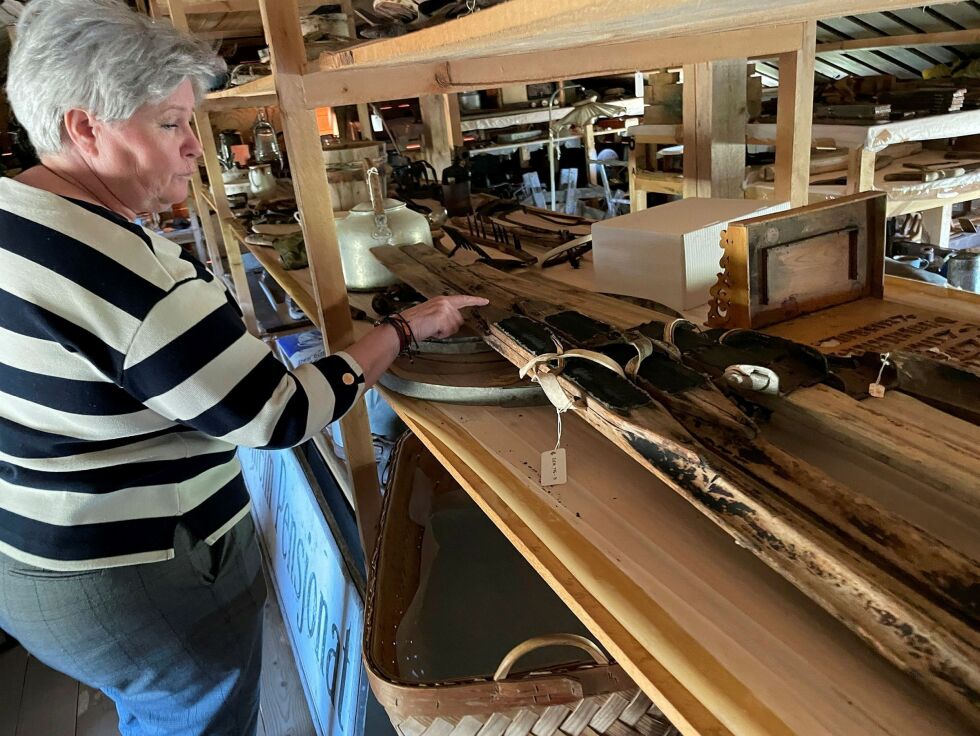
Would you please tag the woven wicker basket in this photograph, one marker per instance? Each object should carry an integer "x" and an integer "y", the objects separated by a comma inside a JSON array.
[{"x": 589, "y": 697}]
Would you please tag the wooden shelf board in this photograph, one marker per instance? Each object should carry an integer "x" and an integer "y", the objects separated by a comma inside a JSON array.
[
  {"x": 259, "y": 93},
  {"x": 659, "y": 181},
  {"x": 386, "y": 70},
  {"x": 905, "y": 206},
  {"x": 499, "y": 147},
  {"x": 296, "y": 283},
  {"x": 964, "y": 305},
  {"x": 534, "y": 116},
  {"x": 520, "y": 26}
]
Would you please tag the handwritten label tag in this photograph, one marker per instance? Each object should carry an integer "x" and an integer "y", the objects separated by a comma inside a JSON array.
[
  {"x": 553, "y": 472},
  {"x": 876, "y": 391}
]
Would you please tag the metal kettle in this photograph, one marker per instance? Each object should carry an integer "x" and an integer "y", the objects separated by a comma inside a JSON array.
[{"x": 376, "y": 223}]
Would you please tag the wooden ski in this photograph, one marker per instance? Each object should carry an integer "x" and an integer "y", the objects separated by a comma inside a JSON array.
[{"x": 901, "y": 623}]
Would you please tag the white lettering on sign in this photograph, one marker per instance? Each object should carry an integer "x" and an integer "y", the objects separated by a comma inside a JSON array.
[{"x": 322, "y": 609}]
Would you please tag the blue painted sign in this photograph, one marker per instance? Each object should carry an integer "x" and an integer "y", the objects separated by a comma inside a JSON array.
[{"x": 321, "y": 607}]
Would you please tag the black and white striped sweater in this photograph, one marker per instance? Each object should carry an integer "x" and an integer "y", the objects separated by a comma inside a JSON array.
[{"x": 127, "y": 379}]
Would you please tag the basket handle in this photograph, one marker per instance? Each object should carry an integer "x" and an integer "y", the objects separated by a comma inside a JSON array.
[{"x": 566, "y": 640}]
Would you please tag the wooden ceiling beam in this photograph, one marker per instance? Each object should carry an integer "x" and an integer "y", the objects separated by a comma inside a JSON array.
[
  {"x": 949, "y": 38},
  {"x": 371, "y": 84}
]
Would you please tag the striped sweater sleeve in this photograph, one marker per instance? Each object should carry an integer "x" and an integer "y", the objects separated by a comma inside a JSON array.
[{"x": 192, "y": 361}]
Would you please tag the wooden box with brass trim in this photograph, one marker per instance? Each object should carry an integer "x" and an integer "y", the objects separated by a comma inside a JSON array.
[{"x": 780, "y": 266}]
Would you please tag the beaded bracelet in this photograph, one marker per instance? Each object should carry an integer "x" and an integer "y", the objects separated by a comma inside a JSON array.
[{"x": 407, "y": 344}]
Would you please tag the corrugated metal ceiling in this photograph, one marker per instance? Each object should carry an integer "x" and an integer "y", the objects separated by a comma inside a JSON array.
[{"x": 904, "y": 63}]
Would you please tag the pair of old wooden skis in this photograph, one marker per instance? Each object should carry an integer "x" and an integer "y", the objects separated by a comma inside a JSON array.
[{"x": 905, "y": 592}]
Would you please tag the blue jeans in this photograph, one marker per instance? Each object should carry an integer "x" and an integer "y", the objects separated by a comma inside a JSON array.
[{"x": 177, "y": 645}]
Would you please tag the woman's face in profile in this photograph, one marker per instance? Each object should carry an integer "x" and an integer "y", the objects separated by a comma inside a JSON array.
[{"x": 150, "y": 158}]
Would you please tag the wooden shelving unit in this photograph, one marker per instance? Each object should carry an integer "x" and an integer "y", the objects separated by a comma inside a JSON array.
[{"x": 622, "y": 566}]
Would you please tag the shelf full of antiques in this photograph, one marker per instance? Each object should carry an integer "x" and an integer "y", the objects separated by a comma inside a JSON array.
[
  {"x": 676, "y": 338},
  {"x": 679, "y": 333}
]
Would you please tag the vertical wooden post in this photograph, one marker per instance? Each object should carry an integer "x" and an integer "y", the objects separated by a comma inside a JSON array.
[
  {"x": 211, "y": 242},
  {"x": 860, "y": 170},
  {"x": 714, "y": 129},
  {"x": 697, "y": 90},
  {"x": 364, "y": 118},
  {"x": 232, "y": 247},
  {"x": 440, "y": 118},
  {"x": 729, "y": 115},
  {"x": 590, "y": 154},
  {"x": 637, "y": 163},
  {"x": 794, "y": 119},
  {"x": 280, "y": 19},
  {"x": 363, "y": 112}
]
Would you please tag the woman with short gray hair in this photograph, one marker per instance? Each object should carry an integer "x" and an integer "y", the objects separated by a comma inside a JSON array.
[{"x": 127, "y": 380}]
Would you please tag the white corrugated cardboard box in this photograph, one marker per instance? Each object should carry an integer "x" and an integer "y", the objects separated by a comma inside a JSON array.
[{"x": 668, "y": 253}]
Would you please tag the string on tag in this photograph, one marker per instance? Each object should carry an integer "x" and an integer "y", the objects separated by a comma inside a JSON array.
[
  {"x": 876, "y": 390},
  {"x": 559, "y": 412},
  {"x": 539, "y": 371}
]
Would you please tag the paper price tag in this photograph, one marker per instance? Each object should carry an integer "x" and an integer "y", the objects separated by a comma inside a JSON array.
[
  {"x": 553, "y": 472},
  {"x": 876, "y": 391}
]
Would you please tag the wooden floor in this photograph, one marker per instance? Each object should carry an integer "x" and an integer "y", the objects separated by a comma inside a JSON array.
[{"x": 37, "y": 701}]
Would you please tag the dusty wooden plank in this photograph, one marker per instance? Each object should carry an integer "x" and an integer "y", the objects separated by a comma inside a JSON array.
[
  {"x": 714, "y": 136},
  {"x": 943, "y": 460},
  {"x": 697, "y": 93},
  {"x": 728, "y": 120},
  {"x": 13, "y": 669},
  {"x": 911, "y": 411},
  {"x": 49, "y": 703}
]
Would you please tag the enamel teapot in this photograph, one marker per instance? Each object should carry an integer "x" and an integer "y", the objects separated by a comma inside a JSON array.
[{"x": 376, "y": 223}]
